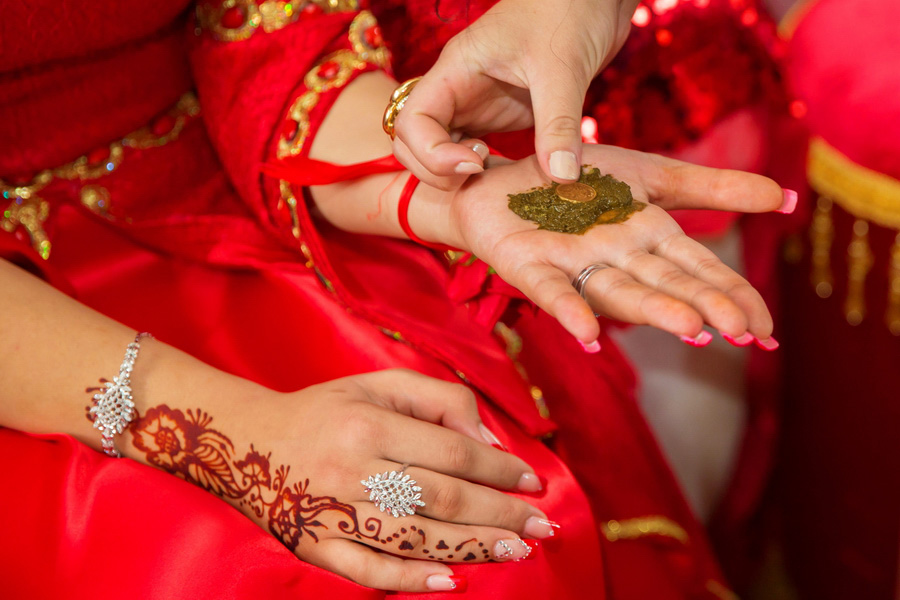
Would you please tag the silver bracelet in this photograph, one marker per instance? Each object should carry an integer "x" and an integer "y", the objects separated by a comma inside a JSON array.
[{"x": 113, "y": 409}]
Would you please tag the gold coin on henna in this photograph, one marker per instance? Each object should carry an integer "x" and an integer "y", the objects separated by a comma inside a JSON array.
[{"x": 576, "y": 207}]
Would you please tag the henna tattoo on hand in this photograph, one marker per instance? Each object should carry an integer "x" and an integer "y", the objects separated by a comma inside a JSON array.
[{"x": 187, "y": 446}]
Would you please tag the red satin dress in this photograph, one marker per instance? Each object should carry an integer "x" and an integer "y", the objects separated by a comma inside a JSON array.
[{"x": 132, "y": 136}]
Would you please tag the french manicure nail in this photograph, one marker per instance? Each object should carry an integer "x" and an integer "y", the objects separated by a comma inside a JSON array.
[
  {"x": 592, "y": 348},
  {"x": 468, "y": 168},
  {"x": 564, "y": 165},
  {"x": 529, "y": 482},
  {"x": 540, "y": 528},
  {"x": 490, "y": 438},
  {"x": 702, "y": 339},
  {"x": 514, "y": 550},
  {"x": 481, "y": 150},
  {"x": 447, "y": 583},
  {"x": 789, "y": 203},
  {"x": 768, "y": 344},
  {"x": 742, "y": 340}
]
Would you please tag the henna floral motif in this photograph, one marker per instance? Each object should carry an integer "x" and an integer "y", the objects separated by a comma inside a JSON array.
[{"x": 185, "y": 445}]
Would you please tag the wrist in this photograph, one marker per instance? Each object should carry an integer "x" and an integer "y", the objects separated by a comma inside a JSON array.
[{"x": 431, "y": 219}]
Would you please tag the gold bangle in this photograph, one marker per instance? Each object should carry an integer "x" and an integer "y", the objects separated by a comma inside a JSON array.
[{"x": 398, "y": 99}]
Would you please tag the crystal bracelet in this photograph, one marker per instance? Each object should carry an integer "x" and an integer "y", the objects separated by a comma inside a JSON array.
[{"x": 113, "y": 409}]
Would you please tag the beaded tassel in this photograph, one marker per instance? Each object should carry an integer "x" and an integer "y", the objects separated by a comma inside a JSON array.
[
  {"x": 821, "y": 236},
  {"x": 892, "y": 315},
  {"x": 859, "y": 263}
]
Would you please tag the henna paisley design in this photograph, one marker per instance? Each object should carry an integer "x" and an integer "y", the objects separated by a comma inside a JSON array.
[{"x": 186, "y": 445}]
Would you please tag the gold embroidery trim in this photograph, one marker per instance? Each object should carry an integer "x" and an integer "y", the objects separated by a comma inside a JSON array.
[
  {"x": 268, "y": 15},
  {"x": 339, "y": 66},
  {"x": 29, "y": 211},
  {"x": 631, "y": 529},
  {"x": 864, "y": 193}
]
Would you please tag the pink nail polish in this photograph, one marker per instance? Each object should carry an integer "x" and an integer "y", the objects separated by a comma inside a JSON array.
[
  {"x": 564, "y": 165},
  {"x": 491, "y": 438},
  {"x": 702, "y": 339},
  {"x": 540, "y": 528},
  {"x": 743, "y": 340},
  {"x": 789, "y": 203},
  {"x": 447, "y": 583},
  {"x": 529, "y": 482},
  {"x": 592, "y": 348},
  {"x": 481, "y": 150},
  {"x": 768, "y": 345}
]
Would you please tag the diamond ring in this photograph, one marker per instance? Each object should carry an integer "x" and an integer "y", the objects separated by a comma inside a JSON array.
[{"x": 394, "y": 492}]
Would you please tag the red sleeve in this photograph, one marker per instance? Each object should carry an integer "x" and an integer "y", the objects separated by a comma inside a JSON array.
[{"x": 267, "y": 74}]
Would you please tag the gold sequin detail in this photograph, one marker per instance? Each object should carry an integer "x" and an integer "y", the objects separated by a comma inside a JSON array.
[
  {"x": 268, "y": 16},
  {"x": 29, "y": 211},
  {"x": 631, "y": 529}
]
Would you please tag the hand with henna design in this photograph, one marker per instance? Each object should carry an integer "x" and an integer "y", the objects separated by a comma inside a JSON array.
[{"x": 299, "y": 477}]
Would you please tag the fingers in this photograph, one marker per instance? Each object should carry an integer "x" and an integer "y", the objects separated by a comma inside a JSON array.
[
  {"x": 700, "y": 262},
  {"x": 456, "y": 501},
  {"x": 423, "y": 128},
  {"x": 438, "y": 449},
  {"x": 673, "y": 184},
  {"x": 717, "y": 308},
  {"x": 451, "y": 405},
  {"x": 557, "y": 99},
  {"x": 383, "y": 571},
  {"x": 423, "y": 538}
]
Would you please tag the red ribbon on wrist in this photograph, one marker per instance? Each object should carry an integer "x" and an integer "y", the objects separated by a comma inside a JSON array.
[{"x": 305, "y": 171}]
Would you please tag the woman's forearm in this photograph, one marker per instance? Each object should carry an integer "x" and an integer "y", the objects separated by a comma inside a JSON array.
[
  {"x": 54, "y": 352},
  {"x": 352, "y": 133}
]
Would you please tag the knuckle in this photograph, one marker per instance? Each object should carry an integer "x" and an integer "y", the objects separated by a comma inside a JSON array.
[
  {"x": 447, "y": 501},
  {"x": 705, "y": 266},
  {"x": 458, "y": 455},
  {"x": 359, "y": 425},
  {"x": 563, "y": 125},
  {"x": 407, "y": 581},
  {"x": 409, "y": 540}
]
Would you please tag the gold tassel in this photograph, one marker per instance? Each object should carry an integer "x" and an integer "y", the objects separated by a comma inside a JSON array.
[
  {"x": 859, "y": 263},
  {"x": 821, "y": 235},
  {"x": 892, "y": 316}
]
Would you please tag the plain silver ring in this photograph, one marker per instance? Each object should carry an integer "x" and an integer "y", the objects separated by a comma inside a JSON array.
[{"x": 580, "y": 281}]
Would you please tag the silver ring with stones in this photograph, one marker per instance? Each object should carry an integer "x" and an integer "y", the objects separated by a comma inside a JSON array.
[{"x": 394, "y": 492}]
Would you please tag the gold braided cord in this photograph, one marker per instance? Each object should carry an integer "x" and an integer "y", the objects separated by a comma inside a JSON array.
[{"x": 864, "y": 193}]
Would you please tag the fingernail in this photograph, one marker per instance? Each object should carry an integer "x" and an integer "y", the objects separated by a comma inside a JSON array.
[
  {"x": 743, "y": 340},
  {"x": 768, "y": 344},
  {"x": 789, "y": 203},
  {"x": 540, "y": 528},
  {"x": 468, "y": 168},
  {"x": 490, "y": 438},
  {"x": 592, "y": 348},
  {"x": 447, "y": 583},
  {"x": 529, "y": 482},
  {"x": 482, "y": 150},
  {"x": 564, "y": 165},
  {"x": 701, "y": 340},
  {"x": 514, "y": 550}
]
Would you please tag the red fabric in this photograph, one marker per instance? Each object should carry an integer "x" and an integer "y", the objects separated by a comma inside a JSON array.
[
  {"x": 199, "y": 252},
  {"x": 837, "y": 496}
]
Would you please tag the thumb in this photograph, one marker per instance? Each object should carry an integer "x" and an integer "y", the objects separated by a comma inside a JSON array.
[{"x": 557, "y": 102}]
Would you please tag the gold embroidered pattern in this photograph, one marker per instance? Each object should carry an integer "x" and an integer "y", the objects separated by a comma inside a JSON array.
[
  {"x": 29, "y": 211},
  {"x": 332, "y": 72},
  {"x": 238, "y": 20},
  {"x": 892, "y": 315},
  {"x": 631, "y": 529},
  {"x": 513, "y": 342}
]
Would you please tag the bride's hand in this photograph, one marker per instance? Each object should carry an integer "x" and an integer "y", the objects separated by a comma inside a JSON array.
[
  {"x": 298, "y": 473},
  {"x": 657, "y": 275}
]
